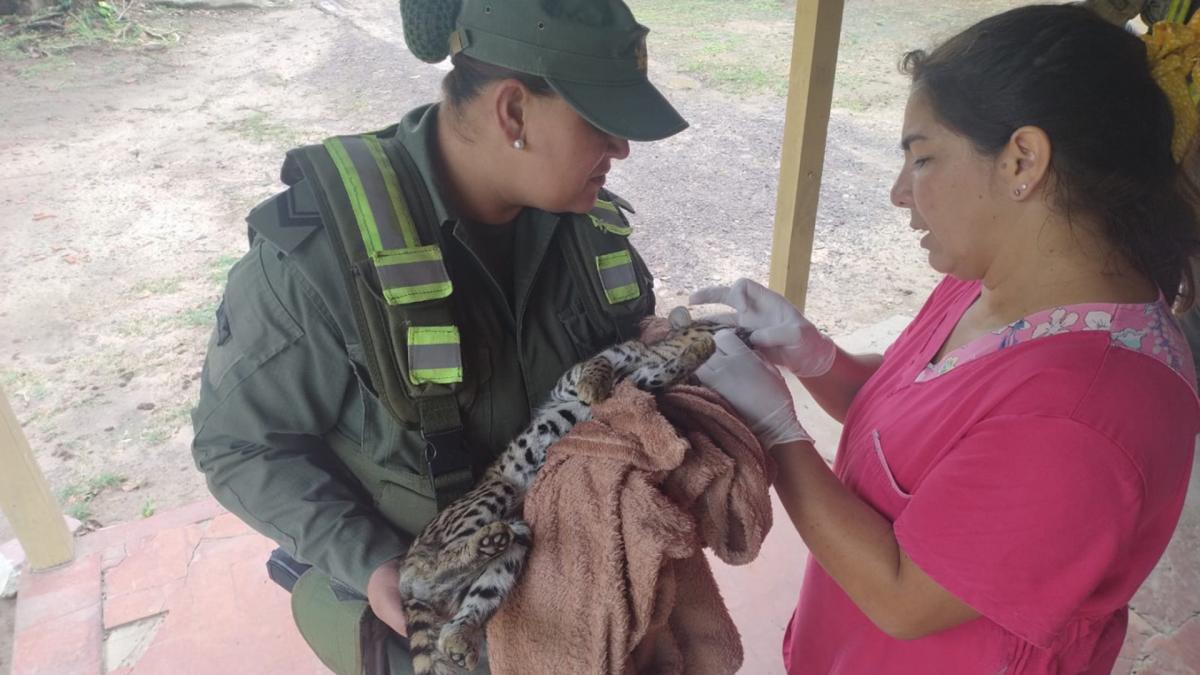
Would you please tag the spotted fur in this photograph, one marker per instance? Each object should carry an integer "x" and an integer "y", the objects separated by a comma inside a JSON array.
[{"x": 468, "y": 558}]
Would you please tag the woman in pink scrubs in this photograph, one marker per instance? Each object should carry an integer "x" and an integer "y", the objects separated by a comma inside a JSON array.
[{"x": 1014, "y": 465}]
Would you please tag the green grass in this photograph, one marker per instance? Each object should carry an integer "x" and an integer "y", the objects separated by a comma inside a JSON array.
[
  {"x": 148, "y": 508},
  {"x": 165, "y": 423},
  {"x": 72, "y": 490},
  {"x": 106, "y": 479},
  {"x": 80, "y": 511},
  {"x": 219, "y": 268},
  {"x": 77, "y": 497},
  {"x": 73, "y": 24},
  {"x": 260, "y": 128},
  {"x": 197, "y": 316},
  {"x": 159, "y": 286},
  {"x": 25, "y": 384},
  {"x": 744, "y": 47}
]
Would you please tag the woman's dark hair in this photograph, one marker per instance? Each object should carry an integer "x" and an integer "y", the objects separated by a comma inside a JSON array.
[
  {"x": 469, "y": 77},
  {"x": 1086, "y": 83}
]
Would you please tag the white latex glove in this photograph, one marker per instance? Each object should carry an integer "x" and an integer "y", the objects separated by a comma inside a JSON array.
[
  {"x": 777, "y": 329},
  {"x": 755, "y": 389}
]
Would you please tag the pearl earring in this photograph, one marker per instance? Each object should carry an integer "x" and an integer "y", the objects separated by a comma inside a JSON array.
[
  {"x": 519, "y": 144},
  {"x": 1017, "y": 192}
]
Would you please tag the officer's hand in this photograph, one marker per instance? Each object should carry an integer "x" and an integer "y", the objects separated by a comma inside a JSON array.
[
  {"x": 383, "y": 595},
  {"x": 755, "y": 389},
  {"x": 778, "y": 330}
]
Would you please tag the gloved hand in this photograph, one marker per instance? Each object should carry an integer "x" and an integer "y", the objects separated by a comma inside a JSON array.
[
  {"x": 777, "y": 329},
  {"x": 755, "y": 389}
]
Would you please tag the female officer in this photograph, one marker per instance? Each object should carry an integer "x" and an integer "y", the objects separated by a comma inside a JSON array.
[
  {"x": 1014, "y": 465},
  {"x": 415, "y": 291}
]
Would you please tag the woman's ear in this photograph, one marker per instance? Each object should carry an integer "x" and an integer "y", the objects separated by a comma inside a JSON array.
[
  {"x": 510, "y": 111},
  {"x": 1026, "y": 161}
]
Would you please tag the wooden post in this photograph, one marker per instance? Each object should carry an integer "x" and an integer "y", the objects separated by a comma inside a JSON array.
[
  {"x": 810, "y": 95},
  {"x": 26, "y": 501}
]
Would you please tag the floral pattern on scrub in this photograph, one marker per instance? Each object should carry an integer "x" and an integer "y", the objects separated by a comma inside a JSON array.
[{"x": 1146, "y": 328}]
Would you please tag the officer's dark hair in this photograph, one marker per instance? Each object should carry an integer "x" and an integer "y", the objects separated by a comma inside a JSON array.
[
  {"x": 1085, "y": 83},
  {"x": 470, "y": 76}
]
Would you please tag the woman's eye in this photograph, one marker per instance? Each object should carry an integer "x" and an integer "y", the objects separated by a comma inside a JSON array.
[{"x": 920, "y": 161}]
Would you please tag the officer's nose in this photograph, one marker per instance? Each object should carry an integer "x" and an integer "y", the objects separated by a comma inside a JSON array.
[{"x": 618, "y": 148}]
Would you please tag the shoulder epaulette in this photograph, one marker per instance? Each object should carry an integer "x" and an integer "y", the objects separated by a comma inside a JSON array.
[{"x": 288, "y": 218}]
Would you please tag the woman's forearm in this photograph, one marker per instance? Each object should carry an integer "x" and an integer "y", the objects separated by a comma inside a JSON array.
[{"x": 835, "y": 390}]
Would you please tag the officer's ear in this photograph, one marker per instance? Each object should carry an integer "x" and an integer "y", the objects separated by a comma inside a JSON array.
[{"x": 511, "y": 101}]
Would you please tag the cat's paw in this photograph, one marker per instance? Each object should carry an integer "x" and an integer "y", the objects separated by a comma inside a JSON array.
[
  {"x": 696, "y": 353},
  {"x": 492, "y": 539},
  {"x": 596, "y": 381},
  {"x": 461, "y": 645}
]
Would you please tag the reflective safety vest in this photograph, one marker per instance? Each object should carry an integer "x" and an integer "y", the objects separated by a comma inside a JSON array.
[{"x": 374, "y": 205}]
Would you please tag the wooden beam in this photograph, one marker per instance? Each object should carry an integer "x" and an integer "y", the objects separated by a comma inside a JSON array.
[
  {"x": 26, "y": 501},
  {"x": 810, "y": 95}
]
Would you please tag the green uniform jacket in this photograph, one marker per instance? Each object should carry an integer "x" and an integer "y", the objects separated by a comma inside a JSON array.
[{"x": 288, "y": 430}]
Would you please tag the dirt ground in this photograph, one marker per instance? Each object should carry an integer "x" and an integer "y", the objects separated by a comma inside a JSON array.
[{"x": 127, "y": 172}]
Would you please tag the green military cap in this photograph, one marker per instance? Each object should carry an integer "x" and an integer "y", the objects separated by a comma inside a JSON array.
[{"x": 591, "y": 52}]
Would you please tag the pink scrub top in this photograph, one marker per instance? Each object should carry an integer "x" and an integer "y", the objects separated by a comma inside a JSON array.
[{"x": 1036, "y": 473}]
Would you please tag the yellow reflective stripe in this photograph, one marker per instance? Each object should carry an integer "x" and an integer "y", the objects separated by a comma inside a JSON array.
[
  {"x": 614, "y": 268},
  {"x": 392, "y": 182},
  {"x": 623, "y": 294},
  {"x": 399, "y": 256},
  {"x": 358, "y": 196},
  {"x": 433, "y": 335},
  {"x": 404, "y": 295},
  {"x": 610, "y": 260},
  {"x": 434, "y": 355},
  {"x": 609, "y": 220},
  {"x": 436, "y": 375},
  {"x": 606, "y": 226}
]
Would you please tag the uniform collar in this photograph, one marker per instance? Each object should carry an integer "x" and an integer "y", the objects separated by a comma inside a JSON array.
[
  {"x": 534, "y": 228},
  {"x": 418, "y": 133}
]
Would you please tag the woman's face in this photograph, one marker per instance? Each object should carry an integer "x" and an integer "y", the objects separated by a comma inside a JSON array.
[
  {"x": 953, "y": 193},
  {"x": 570, "y": 157}
]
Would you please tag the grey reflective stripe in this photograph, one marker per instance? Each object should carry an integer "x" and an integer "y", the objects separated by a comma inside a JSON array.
[
  {"x": 616, "y": 277},
  {"x": 434, "y": 357},
  {"x": 376, "y": 191},
  {"x": 412, "y": 274}
]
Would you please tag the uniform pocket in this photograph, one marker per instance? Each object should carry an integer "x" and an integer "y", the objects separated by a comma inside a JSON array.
[
  {"x": 870, "y": 477},
  {"x": 587, "y": 337},
  {"x": 252, "y": 325}
]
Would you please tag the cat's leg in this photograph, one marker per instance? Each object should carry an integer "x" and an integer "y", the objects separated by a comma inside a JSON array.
[
  {"x": 673, "y": 359},
  {"x": 475, "y": 548},
  {"x": 461, "y": 636},
  {"x": 424, "y": 624}
]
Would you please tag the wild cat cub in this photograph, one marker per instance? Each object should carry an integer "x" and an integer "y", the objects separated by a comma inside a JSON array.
[{"x": 466, "y": 560}]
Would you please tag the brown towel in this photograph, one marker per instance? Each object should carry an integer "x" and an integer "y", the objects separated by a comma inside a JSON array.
[{"x": 617, "y": 581}]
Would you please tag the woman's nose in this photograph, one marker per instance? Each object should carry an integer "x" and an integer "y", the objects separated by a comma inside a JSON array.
[
  {"x": 902, "y": 191},
  {"x": 618, "y": 147}
]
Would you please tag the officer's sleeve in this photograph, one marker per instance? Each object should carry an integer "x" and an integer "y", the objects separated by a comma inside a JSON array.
[{"x": 273, "y": 383}]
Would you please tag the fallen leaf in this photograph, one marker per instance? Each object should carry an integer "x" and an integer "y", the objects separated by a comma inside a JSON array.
[{"x": 43, "y": 216}]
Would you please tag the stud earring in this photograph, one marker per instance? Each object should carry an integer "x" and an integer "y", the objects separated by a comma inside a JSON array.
[
  {"x": 1017, "y": 192},
  {"x": 519, "y": 144}
]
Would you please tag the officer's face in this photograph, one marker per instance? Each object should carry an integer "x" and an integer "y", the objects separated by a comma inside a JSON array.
[
  {"x": 570, "y": 157},
  {"x": 951, "y": 191}
]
